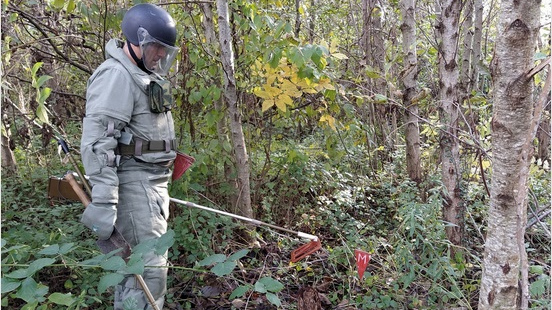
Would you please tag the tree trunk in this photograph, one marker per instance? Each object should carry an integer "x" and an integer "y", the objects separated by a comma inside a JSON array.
[
  {"x": 234, "y": 114},
  {"x": 409, "y": 79},
  {"x": 8, "y": 159},
  {"x": 297, "y": 18},
  {"x": 374, "y": 58},
  {"x": 467, "y": 40},
  {"x": 513, "y": 130},
  {"x": 453, "y": 209},
  {"x": 212, "y": 43},
  {"x": 476, "y": 43}
]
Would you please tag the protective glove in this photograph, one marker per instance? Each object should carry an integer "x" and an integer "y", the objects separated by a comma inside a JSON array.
[{"x": 100, "y": 218}]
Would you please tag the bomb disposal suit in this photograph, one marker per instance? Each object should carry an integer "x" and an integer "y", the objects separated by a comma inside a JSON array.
[{"x": 128, "y": 145}]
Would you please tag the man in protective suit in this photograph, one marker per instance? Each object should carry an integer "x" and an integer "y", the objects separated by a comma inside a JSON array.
[{"x": 128, "y": 143}]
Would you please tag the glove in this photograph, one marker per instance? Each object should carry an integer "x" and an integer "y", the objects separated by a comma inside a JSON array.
[{"x": 100, "y": 218}]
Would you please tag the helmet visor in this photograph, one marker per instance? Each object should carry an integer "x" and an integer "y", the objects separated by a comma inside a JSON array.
[{"x": 156, "y": 55}]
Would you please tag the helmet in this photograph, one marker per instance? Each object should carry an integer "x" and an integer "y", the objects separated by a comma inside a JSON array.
[
  {"x": 154, "y": 19},
  {"x": 153, "y": 29}
]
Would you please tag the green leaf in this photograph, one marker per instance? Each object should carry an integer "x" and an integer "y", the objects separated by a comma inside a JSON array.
[
  {"x": 8, "y": 286},
  {"x": 223, "y": 269},
  {"x": 71, "y": 6},
  {"x": 144, "y": 246},
  {"x": 66, "y": 248},
  {"x": 113, "y": 263},
  {"x": 110, "y": 279},
  {"x": 164, "y": 242},
  {"x": 40, "y": 263},
  {"x": 536, "y": 269},
  {"x": 30, "y": 306},
  {"x": 270, "y": 284},
  {"x": 44, "y": 94},
  {"x": 41, "y": 80},
  {"x": 31, "y": 291},
  {"x": 19, "y": 273},
  {"x": 213, "y": 259},
  {"x": 58, "y": 4},
  {"x": 135, "y": 265},
  {"x": 35, "y": 68},
  {"x": 538, "y": 287},
  {"x": 239, "y": 291},
  {"x": 41, "y": 113},
  {"x": 50, "y": 250},
  {"x": 61, "y": 299},
  {"x": 238, "y": 255},
  {"x": 260, "y": 287},
  {"x": 273, "y": 299}
]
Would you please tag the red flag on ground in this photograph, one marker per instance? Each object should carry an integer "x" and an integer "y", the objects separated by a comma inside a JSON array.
[{"x": 362, "y": 260}]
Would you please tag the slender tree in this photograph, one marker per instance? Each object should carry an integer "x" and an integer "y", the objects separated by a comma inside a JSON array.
[
  {"x": 504, "y": 278},
  {"x": 448, "y": 32},
  {"x": 234, "y": 113},
  {"x": 409, "y": 80},
  {"x": 222, "y": 133}
]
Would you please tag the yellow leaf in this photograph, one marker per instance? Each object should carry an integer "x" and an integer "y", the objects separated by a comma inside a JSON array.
[
  {"x": 330, "y": 120},
  {"x": 309, "y": 90},
  {"x": 290, "y": 89},
  {"x": 340, "y": 56},
  {"x": 259, "y": 92},
  {"x": 280, "y": 104},
  {"x": 333, "y": 45},
  {"x": 325, "y": 83},
  {"x": 271, "y": 90},
  {"x": 486, "y": 164},
  {"x": 285, "y": 99},
  {"x": 270, "y": 79},
  {"x": 267, "y": 104},
  {"x": 325, "y": 44}
]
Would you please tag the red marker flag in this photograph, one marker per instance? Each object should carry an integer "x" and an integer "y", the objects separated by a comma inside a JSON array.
[{"x": 362, "y": 260}]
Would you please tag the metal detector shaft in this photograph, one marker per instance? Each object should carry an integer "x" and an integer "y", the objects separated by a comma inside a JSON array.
[
  {"x": 246, "y": 219},
  {"x": 65, "y": 149}
]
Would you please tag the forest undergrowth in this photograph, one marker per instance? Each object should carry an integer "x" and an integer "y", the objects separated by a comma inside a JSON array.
[{"x": 50, "y": 260}]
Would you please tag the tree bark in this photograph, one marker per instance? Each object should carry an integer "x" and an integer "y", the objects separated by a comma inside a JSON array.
[
  {"x": 504, "y": 282},
  {"x": 409, "y": 79},
  {"x": 234, "y": 114},
  {"x": 8, "y": 159},
  {"x": 476, "y": 43},
  {"x": 453, "y": 209},
  {"x": 222, "y": 134}
]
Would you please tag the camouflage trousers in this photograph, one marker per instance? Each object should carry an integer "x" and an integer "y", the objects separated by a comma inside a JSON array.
[{"x": 142, "y": 214}]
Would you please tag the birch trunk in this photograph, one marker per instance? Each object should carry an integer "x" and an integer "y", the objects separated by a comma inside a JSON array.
[
  {"x": 504, "y": 278},
  {"x": 453, "y": 212},
  {"x": 409, "y": 78},
  {"x": 234, "y": 114},
  {"x": 210, "y": 48}
]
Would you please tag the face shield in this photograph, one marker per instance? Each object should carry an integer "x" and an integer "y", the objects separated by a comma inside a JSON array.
[{"x": 156, "y": 55}]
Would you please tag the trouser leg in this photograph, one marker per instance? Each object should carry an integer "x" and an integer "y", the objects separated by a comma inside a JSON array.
[{"x": 142, "y": 213}]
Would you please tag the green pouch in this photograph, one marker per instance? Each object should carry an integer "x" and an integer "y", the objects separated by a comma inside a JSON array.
[{"x": 160, "y": 96}]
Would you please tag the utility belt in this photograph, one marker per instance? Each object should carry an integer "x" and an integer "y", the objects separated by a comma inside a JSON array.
[{"x": 139, "y": 147}]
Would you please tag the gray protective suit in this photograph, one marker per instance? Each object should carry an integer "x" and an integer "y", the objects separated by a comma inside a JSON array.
[{"x": 129, "y": 191}]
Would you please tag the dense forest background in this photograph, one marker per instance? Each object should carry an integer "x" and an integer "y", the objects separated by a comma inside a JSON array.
[{"x": 374, "y": 125}]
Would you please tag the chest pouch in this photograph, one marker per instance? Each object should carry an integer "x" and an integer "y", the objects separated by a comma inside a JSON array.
[{"x": 160, "y": 96}]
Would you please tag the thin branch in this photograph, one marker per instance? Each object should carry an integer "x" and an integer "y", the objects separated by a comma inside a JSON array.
[{"x": 50, "y": 40}]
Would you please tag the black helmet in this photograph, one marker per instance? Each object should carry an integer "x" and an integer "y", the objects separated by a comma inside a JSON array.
[{"x": 158, "y": 23}]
